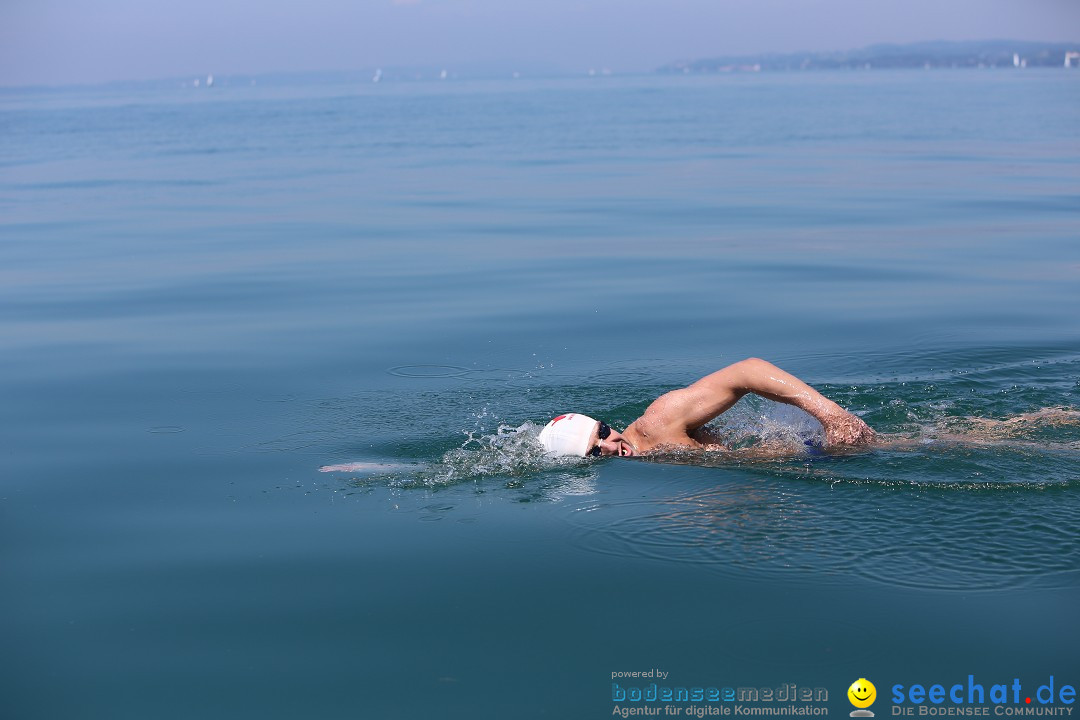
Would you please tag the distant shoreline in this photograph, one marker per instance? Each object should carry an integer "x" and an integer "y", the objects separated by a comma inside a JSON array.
[
  {"x": 924, "y": 55},
  {"x": 938, "y": 55}
]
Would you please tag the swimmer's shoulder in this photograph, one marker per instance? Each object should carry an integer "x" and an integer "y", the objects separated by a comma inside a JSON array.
[{"x": 652, "y": 431}]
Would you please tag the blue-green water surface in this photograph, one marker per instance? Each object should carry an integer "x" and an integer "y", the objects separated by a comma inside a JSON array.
[{"x": 207, "y": 295}]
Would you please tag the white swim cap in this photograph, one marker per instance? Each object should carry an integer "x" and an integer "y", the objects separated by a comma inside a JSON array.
[{"x": 568, "y": 434}]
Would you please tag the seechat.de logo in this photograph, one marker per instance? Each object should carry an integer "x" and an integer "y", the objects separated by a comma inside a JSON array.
[{"x": 862, "y": 694}]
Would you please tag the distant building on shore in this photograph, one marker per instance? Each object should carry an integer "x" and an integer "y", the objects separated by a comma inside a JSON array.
[{"x": 926, "y": 55}]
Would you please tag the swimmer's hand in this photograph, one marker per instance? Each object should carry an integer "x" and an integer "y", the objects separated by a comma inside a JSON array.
[{"x": 843, "y": 428}]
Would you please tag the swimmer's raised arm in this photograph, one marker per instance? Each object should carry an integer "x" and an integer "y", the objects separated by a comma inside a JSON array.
[
  {"x": 680, "y": 412},
  {"x": 673, "y": 418}
]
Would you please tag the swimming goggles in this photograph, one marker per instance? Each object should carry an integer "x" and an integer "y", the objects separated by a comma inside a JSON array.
[{"x": 602, "y": 434}]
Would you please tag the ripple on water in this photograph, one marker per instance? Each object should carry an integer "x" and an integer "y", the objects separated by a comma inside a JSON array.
[
  {"x": 428, "y": 371},
  {"x": 940, "y": 538}
]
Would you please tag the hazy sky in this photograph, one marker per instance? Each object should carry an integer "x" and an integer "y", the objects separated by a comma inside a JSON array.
[{"x": 77, "y": 41}]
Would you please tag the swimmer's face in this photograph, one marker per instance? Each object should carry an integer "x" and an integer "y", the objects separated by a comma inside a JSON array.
[{"x": 607, "y": 441}]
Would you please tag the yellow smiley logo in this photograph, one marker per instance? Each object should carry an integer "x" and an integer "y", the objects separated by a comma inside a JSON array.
[{"x": 862, "y": 693}]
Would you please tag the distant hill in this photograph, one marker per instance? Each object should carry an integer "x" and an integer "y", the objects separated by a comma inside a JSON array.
[{"x": 935, "y": 54}]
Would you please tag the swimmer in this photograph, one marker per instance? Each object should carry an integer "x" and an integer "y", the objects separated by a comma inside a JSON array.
[{"x": 676, "y": 419}]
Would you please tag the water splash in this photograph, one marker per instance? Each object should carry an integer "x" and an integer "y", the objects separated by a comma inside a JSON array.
[
  {"x": 510, "y": 453},
  {"x": 763, "y": 427}
]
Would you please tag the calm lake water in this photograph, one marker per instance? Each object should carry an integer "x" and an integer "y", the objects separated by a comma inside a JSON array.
[{"x": 206, "y": 295}]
